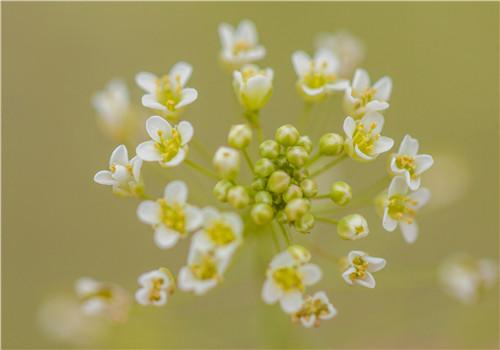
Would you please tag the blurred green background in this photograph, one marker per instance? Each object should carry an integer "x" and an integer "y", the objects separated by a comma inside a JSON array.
[{"x": 58, "y": 225}]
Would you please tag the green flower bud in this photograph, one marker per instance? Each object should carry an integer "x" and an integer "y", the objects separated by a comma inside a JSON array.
[
  {"x": 287, "y": 135},
  {"x": 262, "y": 213},
  {"x": 278, "y": 182},
  {"x": 264, "y": 167},
  {"x": 238, "y": 197},
  {"x": 221, "y": 188},
  {"x": 292, "y": 192},
  {"x": 331, "y": 144},
  {"x": 296, "y": 208},
  {"x": 227, "y": 162},
  {"x": 239, "y": 136},
  {"x": 340, "y": 193},
  {"x": 281, "y": 162},
  {"x": 281, "y": 217},
  {"x": 269, "y": 149},
  {"x": 263, "y": 197},
  {"x": 297, "y": 156},
  {"x": 259, "y": 184},
  {"x": 299, "y": 253},
  {"x": 305, "y": 223},
  {"x": 352, "y": 227},
  {"x": 305, "y": 141},
  {"x": 301, "y": 174},
  {"x": 309, "y": 187}
]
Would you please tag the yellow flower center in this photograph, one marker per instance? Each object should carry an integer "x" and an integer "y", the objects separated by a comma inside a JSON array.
[
  {"x": 406, "y": 162},
  {"x": 312, "y": 307},
  {"x": 288, "y": 278},
  {"x": 241, "y": 46},
  {"x": 166, "y": 94},
  {"x": 173, "y": 216},
  {"x": 364, "y": 97},
  {"x": 154, "y": 293},
  {"x": 220, "y": 232},
  {"x": 365, "y": 140},
  {"x": 205, "y": 269},
  {"x": 359, "y": 229},
  {"x": 400, "y": 208},
  {"x": 104, "y": 293},
  {"x": 316, "y": 78},
  {"x": 169, "y": 148},
  {"x": 360, "y": 265}
]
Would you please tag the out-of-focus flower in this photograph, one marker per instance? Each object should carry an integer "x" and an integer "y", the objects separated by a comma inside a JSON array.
[
  {"x": 401, "y": 206},
  {"x": 227, "y": 162},
  {"x": 317, "y": 76},
  {"x": 253, "y": 86},
  {"x": 408, "y": 163},
  {"x": 287, "y": 279},
  {"x": 155, "y": 285},
  {"x": 361, "y": 98},
  {"x": 240, "y": 45},
  {"x": 102, "y": 298},
  {"x": 221, "y": 232},
  {"x": 363, "y": 140},
  {"x": 352, "y": 227},
  {"x": 123, "y": 175},
  {"x": 169, "y": 145},
  {"x": 465, "y": 278},
  {"x": 315, "y": 309},
  {"x": 348, "y": 48},
  {"x": 171, "y": 217},
  {"x": 360, "y": 267},
  {"x": 168, "y": 93}
]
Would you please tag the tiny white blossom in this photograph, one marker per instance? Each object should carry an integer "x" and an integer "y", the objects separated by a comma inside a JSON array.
[
  {"x": 169, "y": 144},
  {"x": 155, "y": 287},
  {"x": 352, "y": 227},
  {"x": 361, "y": 265},
  {"x": 168, "y": 93},
  {"x": 363, "y": 140},
  {"x": 171, "y": 217},
  {"x": 318, "y": 75},
  {"x": 314, "y": 309},
  {"x": 408, "y": 163},
  {"x": 123, "y": 175},
  {"x": 253, "y": 86},
  {"x": 240, "y": 45},
  {"x": 287, "y": 278},
  {"x": 401, "y": 206},
  {"x": 227, "y": 162},
  {"x": 221, "y": 232}
]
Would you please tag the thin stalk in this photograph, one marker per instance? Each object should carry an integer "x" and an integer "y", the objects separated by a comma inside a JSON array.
[
  {"x": 328, "y": 165},
  {"x": 327, "y": 220},
  {"x": 248, "y": 159},
  {"x": 322, "y": 196},
  {"x": 201, "y": 169},
  {"x": 314, "y": 159},
  {"x": 275, "y": 238},
  {"x": 304, "y": 117},
  {"x": 284, "y": 231}
]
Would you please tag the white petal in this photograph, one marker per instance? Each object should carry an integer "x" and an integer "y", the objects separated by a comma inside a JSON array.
[
  {"x": 301, "y": 63},
  {"x": 398, "y": 185},
  {"x": 119, "y": 156},
  {"x": 383, "y": 144},
  {"x": 422, "y": 163},
  {"x": 353, "y": 254},
  {"x": 85, "y": 286},
  {"x": 291, "y": 302},
  {"x": 339, "y": 85},
  {"x": 226, "y": 35},
  {"x": 93, "y": 306},
  {"x": 104, "y": 177},
  {"x": 185, "y": 279},
  {"x": 201, "y": 287},
  {"x": 136, "y": 168},
  {"x": 409, "y": 231},
  {"x": 421, "y": 196},
  {"x": 308, "y": 322},
  {"x": 254, "y": 55},
  {"x": 368, "y": 281},
  {"x": 271, "y": 293},
  {"x": 209, "y": 214},
  {"x": 151, "y": 102},
  {"x": 246, "y": 32},
  {"x": 346, "y": 275},
  {"x": 156, "y": 125},
  {"x": 121, "y": 174},
  {"x": 194, "y": 218},
  {"x": 361, "y": 80},
  {"x": 146, "y": 81},
  {"x": 363, "y": 156},
  {"x": 389, "y": 223},
  {"x": 176, "y": 192},
  {"x": 181, "y": 72},
  {"x": 282, "y": 259},
  {"x": 413, "y": 182},
  {"x": 373, "y": 118},
  {"x": 149, "y": 212},
  {"x": 349, "y": 127},
  {"x": 375, "y": 264},
  {"x": 313, "y": 92},
  {"x": 188, "y": 95},
  {"x": 409, "y": 146},
  {"x": 326, "y": 61},
  {"x": 383, "y": 89},
  {"x": 375, "y": 105},
  {"x": 142, "y": 296},
  {"x": 178, "y": 159},
  {"x": 165, "y": 238},
  {"x": 148, "y": 152},
  {"x": 186, "y": 130},
  {"x": 234, "y": 220},
  {"x": 311, "y": 274},
  {"x": 201, "y": 242}
]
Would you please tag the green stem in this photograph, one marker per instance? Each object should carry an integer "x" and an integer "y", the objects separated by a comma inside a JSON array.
[
  {"x": 304, "y": 117},
  {"x": 201, "y": 169},
  {"x": 328, "y": 165},
  {"x": 248, "y": 159},
  {"x": 314, "y": 159},
  {"x": 275, "y": 239},
  {"x": 327, "y": 220},
  {"x": 322, "y": 196},
  {"x": 284, "y": 231}
]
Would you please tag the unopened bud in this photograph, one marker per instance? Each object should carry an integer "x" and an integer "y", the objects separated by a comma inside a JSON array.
[
  {"x": 305, "y": 223},
  {"x": 331, "y": 144},
  {"x": 297, "y": 156},
  {"x": 227, "y": 162},
  {"x": 263, "y": 197},
  {"x": 340, "y": 193},
  {"x": 305, "y": 141},
  {"x": 240, "y": 136},
  {"x": 309, "y": 187},
  {"x": 264, "y": 167},
  {"x": 278, "y": 182},
  {"x": 296, "y": 208},
  {"x": 299, "y": 253},
  {"x": 262, "y": 213},
  {"x": 352, "y": 227},
  {"x": 221, "y": 188},
  {"x": 238, "y": 197},
  {"x": 287, "y": 135},
  {"x": 269, "y": 149}
]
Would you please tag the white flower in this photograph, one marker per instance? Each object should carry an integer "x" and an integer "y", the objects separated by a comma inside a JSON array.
[
  {"x": 401, "y": 207},
  {"x": 253, "y": 86},
  {"x": 363, "y": 140},
  {"x": 123, "y": 175},
  {"x": 361, "y": 265},
  {"x": 287, "y": 278},
  {"x": 203, "y": 271},
  {"x": 465, "y": 278},
  {"x": 167, "y": 93},
  {"x": 315, "y": 309},
  {"x": 221, "y": 232},
  {"x": 155, "y": 285},
  {"x": 169, "y": 144},
  {"x": 348, "y": 48},
  {"x": 227, "y": 162},
  {"x": 317, "y": 76},
  {"x": 171, "y": 217},
  {"x": 352, "y": 227},
  {"x": 102, "y": 298},
  {"x": 240, "y": 45},
  {"x": 408, "y": 163},
  {"x": 361, "y": 98}
]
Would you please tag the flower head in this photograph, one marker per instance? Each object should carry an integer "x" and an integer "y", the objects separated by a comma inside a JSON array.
[
  {"x": 361, "y": 265},
  {"x": 240, "y": 45},
  {"x": 253, "y": 86},
  {"x": 401, "y": 207},
  {"x": 287, "y": 279},
  {"x": 155, "y": 287},
  {"x": 123, "y": 175},
  {"x": 169, "y": 144},
  {"x": 167, "y": 93},
  {"x": 352, "y": 227},
  {"x": 317, "y": 76},
  {"x": 361, "y": 98},
  {"x": 410, "y": 164},
  {"x": 363, "y": 140},
  {"x": 314, "y": 309}
]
